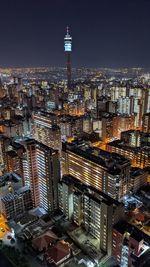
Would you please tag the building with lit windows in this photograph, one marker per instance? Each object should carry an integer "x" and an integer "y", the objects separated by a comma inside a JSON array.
[
  {"x": 4, "y": 143},
  {"x": 66, "y": 129},
  {"x": 107, "y": 126},
  {"x": 113, "y": 124},
  {"x": 41, "y": 172},
  {"x": 14, "y": 159},
  {"x": 136, "y": 138},
  {"x": 93, "y": 210},
  {"x": 14, "y": 162},
  {"x": 135, "y": 146},
  {"x": 65, "y": 199},
  {"x": 87, "y": 125},
  {"x": 117, "y": 91},
  {"x": 146, "y": 123},
  {"x": 48, "y": 175},
  {"x": 45, "y": 130},
  {"x": 107, "y": 172},
  {"x": 123, "y": 104},
  {"x": 17, "y": 203},
  {"x": 132, "y": 138},
  {"x": 130, "y": 245},
  {"x": 39, "y": 167},
  {"x": 30, "y": 169},
  {"x": 78, "y": 207},
  {"x": 71, "y": 126},
  {"x": 76, "y": 108},
  {"x": 139, "y": 178},
  {"x": 122, "y": 123}
]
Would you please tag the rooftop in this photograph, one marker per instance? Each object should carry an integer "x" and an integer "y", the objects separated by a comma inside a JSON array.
[
  {"x": 123, "y": 226},
  {"x": 59, "y": 252},
  {"x": 15, "y": 195},
  {"x": 89, "y": 190},
  {"x": 43, "y": 241},
  {"x": 122, "y": 145},
  {"x": 135, "y": 171},
  {"x": 113, "y": 162}
]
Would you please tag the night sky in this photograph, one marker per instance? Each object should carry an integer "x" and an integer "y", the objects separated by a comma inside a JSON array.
[{"x": 106, "y": 33}]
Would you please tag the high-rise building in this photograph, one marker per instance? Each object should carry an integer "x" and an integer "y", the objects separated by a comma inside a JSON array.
[
  {"x": 30, "y": 170},
  {"x": 45, "y": 130},
  {"x": 14, "y": 162},
  {"x": 41, "y": 172},
  {"x": 124, "y": 105},
  {"x": 139, "y": 178},
  {"x": 134, "y": 145},
  {"x": 131, "y": 138},
  {"x": 48, "y": 175},
  {"x": 14, "y": 159},
  {"x": 107, "y": 172},
  {"x": 107, "y": 126},
  {"x": 2, "y": 90},
  {"x": 146, "y": 123},
  {"x": 129, "y": 245},
  {"x": 68, "y": 50},
  {"x": 4, "y": 142},
  {"x": 102, "y": 105},
  {"x": 71, "y": 126},
  {"x": 122, "y": 123},
  {"x": 87, "y": 125},
  {"x": 91, "y": 209}
]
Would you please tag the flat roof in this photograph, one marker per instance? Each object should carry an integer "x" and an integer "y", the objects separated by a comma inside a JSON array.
[
  {"x": 110, "y": 161},
  {"x": 15, "y": 195},
  {"x": 90, "y": 191},
  {"x": 137, "y": 234},
  {"x": 122, "y": 145}
]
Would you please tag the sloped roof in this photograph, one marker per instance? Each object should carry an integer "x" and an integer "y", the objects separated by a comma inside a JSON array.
[
  {"x": 43, "y": 241},
  {"x": 58, "y": 252}
]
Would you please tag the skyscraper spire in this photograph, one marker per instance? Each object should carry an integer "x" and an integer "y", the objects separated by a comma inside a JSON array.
[{"x": 67, "y": 30}]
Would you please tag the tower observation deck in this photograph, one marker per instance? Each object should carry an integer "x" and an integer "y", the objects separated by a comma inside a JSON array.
[{"x": 68, "y": 50}]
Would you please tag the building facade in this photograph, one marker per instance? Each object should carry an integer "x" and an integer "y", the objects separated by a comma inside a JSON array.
[
  {"x": 17, "y": 203},
  {"x": 49, "y": 174},
  {"x": 91, "y": 209},
  {"x": 107, "y": 172}
]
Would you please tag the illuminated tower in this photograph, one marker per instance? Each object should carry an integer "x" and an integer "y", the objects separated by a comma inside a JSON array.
[{"x": 68, "y": 49}]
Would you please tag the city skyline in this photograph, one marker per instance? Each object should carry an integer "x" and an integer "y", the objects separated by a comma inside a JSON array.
[
  {"x": 75, "y": 166},
  {"x": 75, "y": 133},
  {"x": 105, "y": 33}
]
